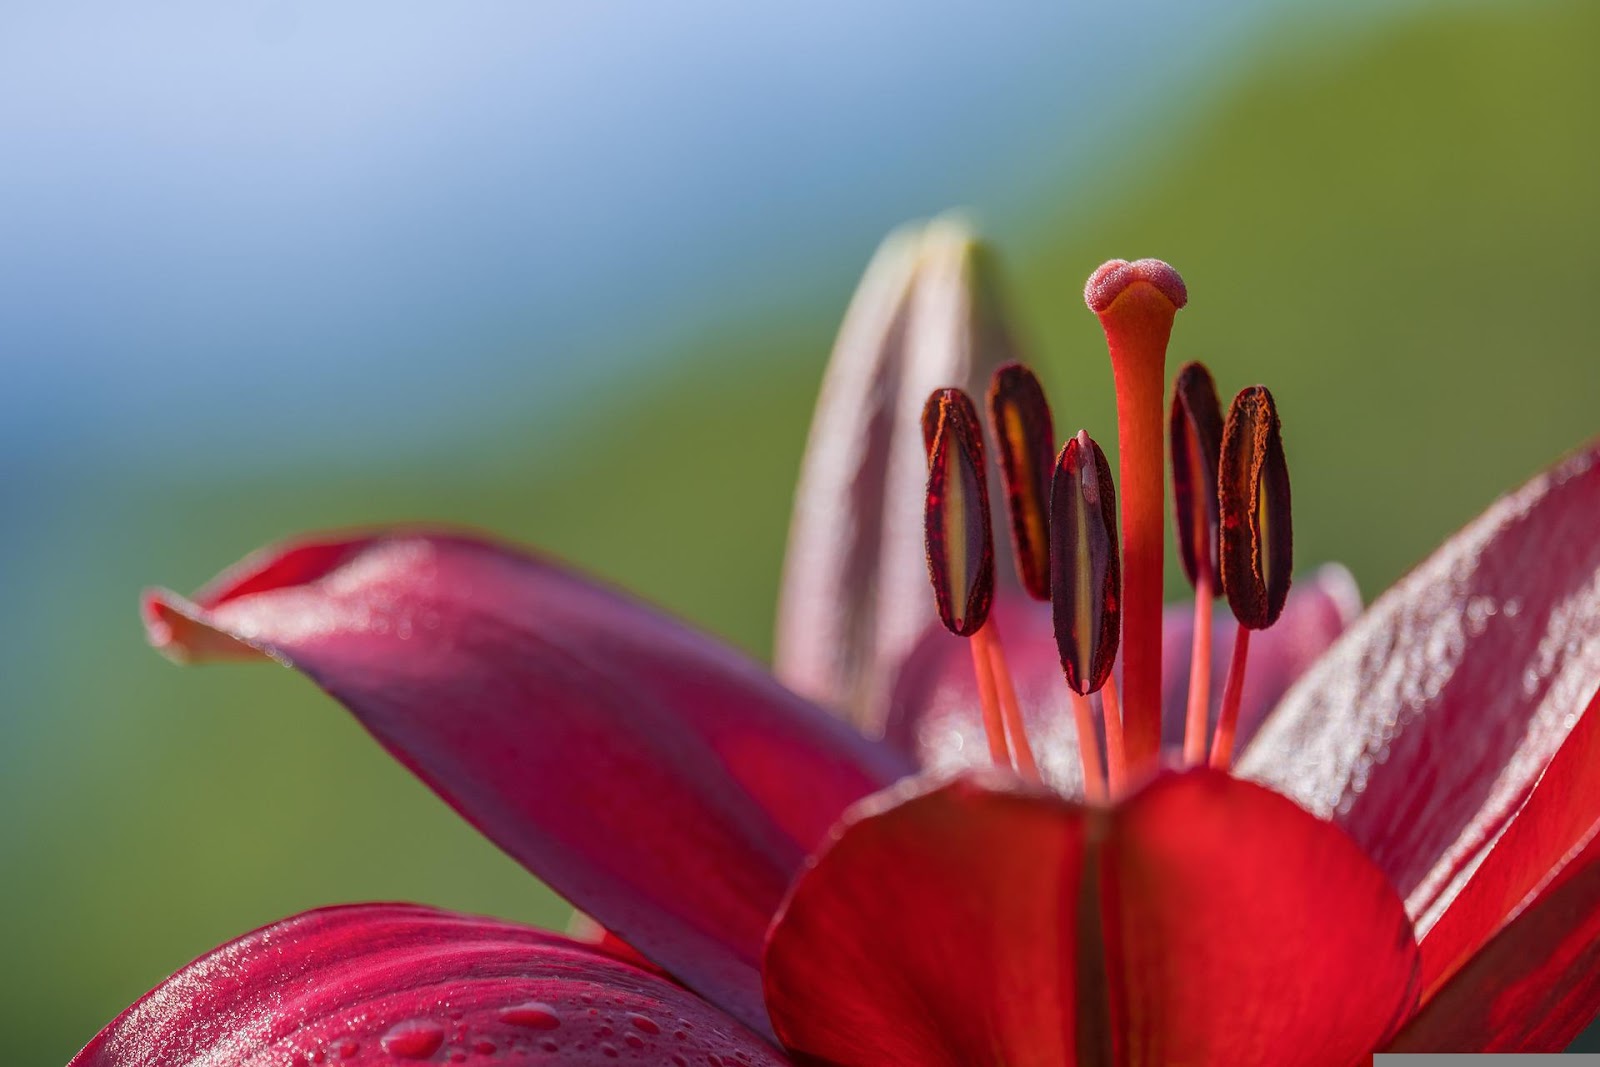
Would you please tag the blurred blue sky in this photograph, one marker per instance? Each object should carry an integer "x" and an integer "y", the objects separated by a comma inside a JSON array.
[{"x": 272, "y": 229}]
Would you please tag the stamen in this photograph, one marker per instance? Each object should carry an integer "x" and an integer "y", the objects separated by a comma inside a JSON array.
[
  {"x": 1257, "y": 539},
  {"x": 1010, "y": 707},
  {"x": 1228, "y": 719},
  {"x": 960, "y": 543},
  {"x": 1116, "y": 751},
  {"x": 1136, "y": 303},
  {"x": 1195, "y": 436},
  {"x": 1085, "y": 581},
  {"x": 1256, "y": 551},
  {"x": 1095, "y": 788},
  {"x": 994, "y": 724},
  {"x": 1020, "y": 418}
]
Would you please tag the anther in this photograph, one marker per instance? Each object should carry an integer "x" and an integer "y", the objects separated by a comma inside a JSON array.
[
  {"x": 1136, "y": 304},
  {"x": 1025, "y": 435},
  {"x": 1256, "y": 552},
  {"x": 960, "y": 547},
  {"x": 1085, "y": 582},
  {"x": 959, "y": 540},
  {"x": 1195, "y": 440}
]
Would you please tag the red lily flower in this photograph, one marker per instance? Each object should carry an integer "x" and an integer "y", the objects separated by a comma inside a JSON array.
[{"x": 1408, "y": 857}]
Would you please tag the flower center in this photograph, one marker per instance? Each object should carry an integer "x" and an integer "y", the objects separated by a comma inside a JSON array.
[{"x": 1231, "y": 497}]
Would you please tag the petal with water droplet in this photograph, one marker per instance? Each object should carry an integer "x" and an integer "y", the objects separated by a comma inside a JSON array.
[
  {"x": 661, "y": 781},
  {"x": 370, "y": 985}
]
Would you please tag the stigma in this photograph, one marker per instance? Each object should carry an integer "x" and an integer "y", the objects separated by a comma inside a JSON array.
[{"x": 1230, "y": 511}]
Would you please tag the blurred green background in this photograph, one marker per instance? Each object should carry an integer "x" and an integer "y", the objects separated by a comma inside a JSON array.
[{"x": 1389, "y": 215}]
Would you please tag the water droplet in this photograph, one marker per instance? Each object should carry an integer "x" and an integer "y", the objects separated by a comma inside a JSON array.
[
  {"x": 484, "y": 1047},
  {"x": 413, "y": 1040},
  {"x": 533, "y": 1014},
  {"x": 609, "y": 1050},
  {"x": 634, "y": 1040},
  {"x": 643, "y": 1023},
  {"x": 346, "y": 1047},
  {"x": 549, "y": 1046}
]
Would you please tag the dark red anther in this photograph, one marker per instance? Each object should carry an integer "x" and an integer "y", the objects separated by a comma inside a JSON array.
[
  {"x": 1257, "y": 539},
  {"x": 956, "y": 527},
  {"x": 1026, "y": 436},
  {"x": 1085, "y": 568},
  {"x": 1195, "y": 434}
]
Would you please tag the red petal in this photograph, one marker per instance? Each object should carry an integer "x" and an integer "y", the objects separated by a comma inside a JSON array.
[
  {"x": 1239, "y": 915},
  {"x": 1534, "y": 986},
  {"x": 1560, "y": 816},
  {"x": 657, "y": 779},
  {"x": 379, "y": 984},
  {"x": 977, "y": 923},
  {"x": 934, "y": 710},
  {"x": 1423, "y": 728}
]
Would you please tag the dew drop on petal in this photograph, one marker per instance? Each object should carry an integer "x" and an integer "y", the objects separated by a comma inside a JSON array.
[
  {"x": 413, "y": 1040},
  {"x": 532, "y": 1014}
]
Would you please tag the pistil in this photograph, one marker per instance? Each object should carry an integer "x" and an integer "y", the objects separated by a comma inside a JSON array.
[{"x": 1136, "y": 304}]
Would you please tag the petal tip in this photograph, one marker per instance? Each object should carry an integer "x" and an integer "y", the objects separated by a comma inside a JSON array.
[
  {"x": 1342, "y": 590},
  {"x": 173, "y": 626}
]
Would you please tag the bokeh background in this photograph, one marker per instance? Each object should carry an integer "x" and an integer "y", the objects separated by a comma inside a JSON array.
[{"x": 570, "y": 271}]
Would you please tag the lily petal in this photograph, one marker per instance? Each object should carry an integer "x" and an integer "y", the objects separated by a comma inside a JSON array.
[
  {"x": 855, "y": 586},
  {"x": 1561, "y": 816},
  {"x": 933, "y": 711},
  {"x": 378, "y": 984},
  {"x": 1535, "y": 986},
  {"x": 1423, "y": 728},
  {"x": 659, "y": 780},
  {"x": 980, "y": 922}
]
